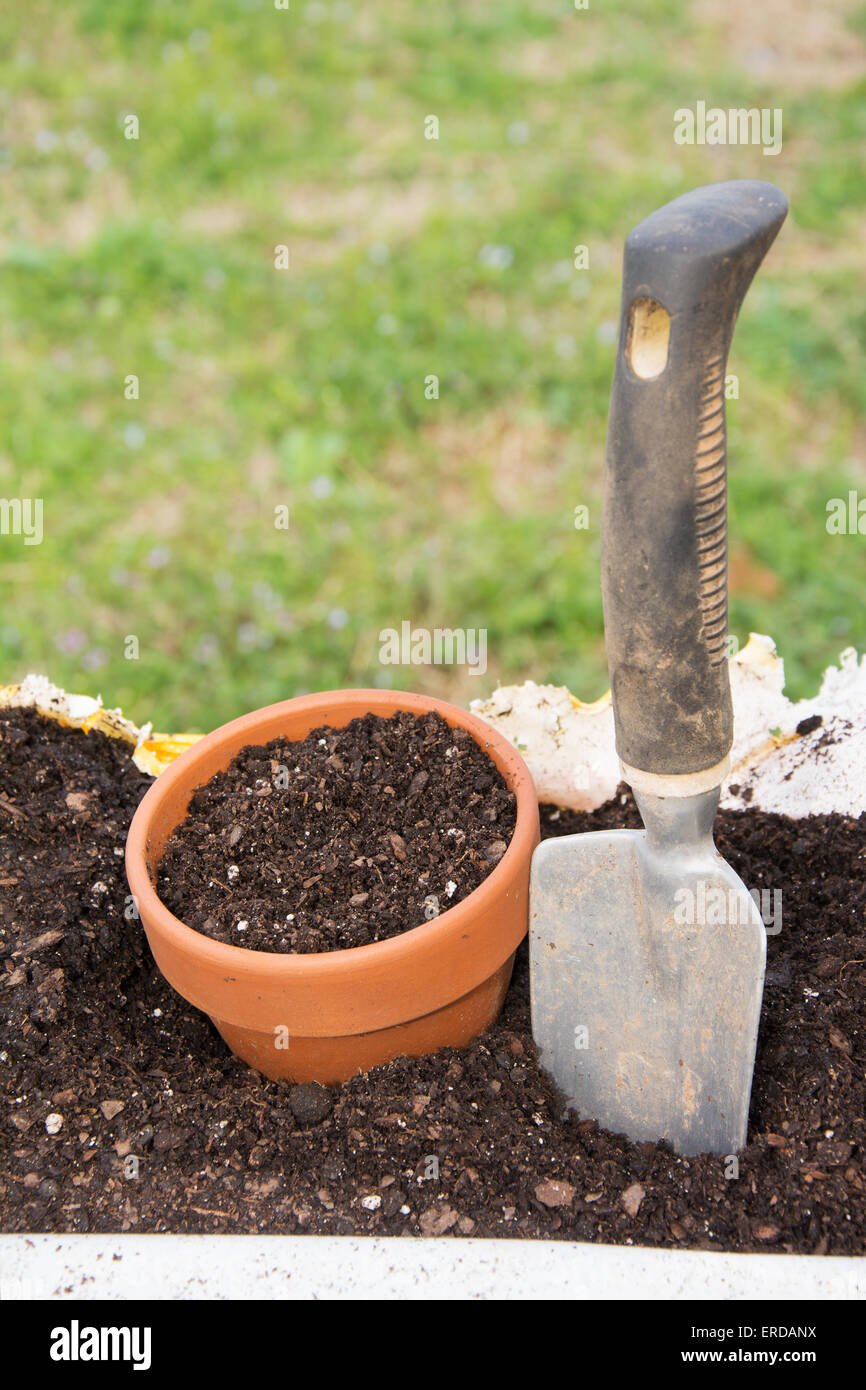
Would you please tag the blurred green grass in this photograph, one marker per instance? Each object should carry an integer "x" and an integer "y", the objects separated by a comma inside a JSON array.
[{"x": 409, "y": 257}]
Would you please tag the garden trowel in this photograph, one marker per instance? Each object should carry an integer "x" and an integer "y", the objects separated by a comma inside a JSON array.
[{"x": 647, "y": 951}]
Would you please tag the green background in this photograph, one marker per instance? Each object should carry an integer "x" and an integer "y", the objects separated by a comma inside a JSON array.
[{"x": 305, "y": 388}]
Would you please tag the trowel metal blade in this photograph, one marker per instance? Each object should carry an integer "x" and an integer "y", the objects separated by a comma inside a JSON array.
[{"x": 647, "y": 1023}]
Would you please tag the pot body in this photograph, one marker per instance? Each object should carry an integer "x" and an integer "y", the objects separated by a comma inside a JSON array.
[{"x": 326, "y": 1016}]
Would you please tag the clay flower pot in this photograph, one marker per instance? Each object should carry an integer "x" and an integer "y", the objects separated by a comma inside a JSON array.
[{"x": 324, "y": 1017}]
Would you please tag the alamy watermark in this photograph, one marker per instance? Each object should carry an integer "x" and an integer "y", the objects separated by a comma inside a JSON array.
[
  {"x": 740, "y": 125},
  {"x": 846, "y": 516},
  {"x": 77, "y": 1343},
  {"x": 711, "y": 906},
  {"x": 439, "y": 646},
  {"x": 22, "y": 516}
]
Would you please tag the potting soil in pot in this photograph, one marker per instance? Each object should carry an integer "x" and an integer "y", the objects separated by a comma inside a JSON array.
[
  {"x": 126, "y": 1112},
  {"x": 344, "y": 837}
]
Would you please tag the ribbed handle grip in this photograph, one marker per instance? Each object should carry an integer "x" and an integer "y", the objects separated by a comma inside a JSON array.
[{"x": 664, "y": 569}]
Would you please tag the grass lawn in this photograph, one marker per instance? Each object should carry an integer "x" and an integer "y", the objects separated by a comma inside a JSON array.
[{"x": 307, "y": 388}]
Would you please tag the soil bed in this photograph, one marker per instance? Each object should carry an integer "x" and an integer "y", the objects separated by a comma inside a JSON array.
[
  {"x": 345, "y": 837},
  {"x": 127, "y": 1113}
]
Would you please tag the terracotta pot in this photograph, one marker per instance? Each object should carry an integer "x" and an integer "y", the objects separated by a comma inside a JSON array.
[{"x": 326, "y": 1016}]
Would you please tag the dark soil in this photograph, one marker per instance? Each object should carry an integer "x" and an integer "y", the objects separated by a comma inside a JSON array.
[
  {"x": 162, "y": 1130},
  {"x": 66, "y": 801},
  {"x": 344, "y": 837}
]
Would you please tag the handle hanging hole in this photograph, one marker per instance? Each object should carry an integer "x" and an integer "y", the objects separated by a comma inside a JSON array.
[{"x": 649, "y": 331}]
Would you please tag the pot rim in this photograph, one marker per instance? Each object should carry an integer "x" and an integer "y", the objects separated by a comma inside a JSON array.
[{"x": 243, "y": 962}]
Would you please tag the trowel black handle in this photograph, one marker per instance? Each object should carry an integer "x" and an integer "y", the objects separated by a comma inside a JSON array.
[{"x": 664, "y": 568}]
